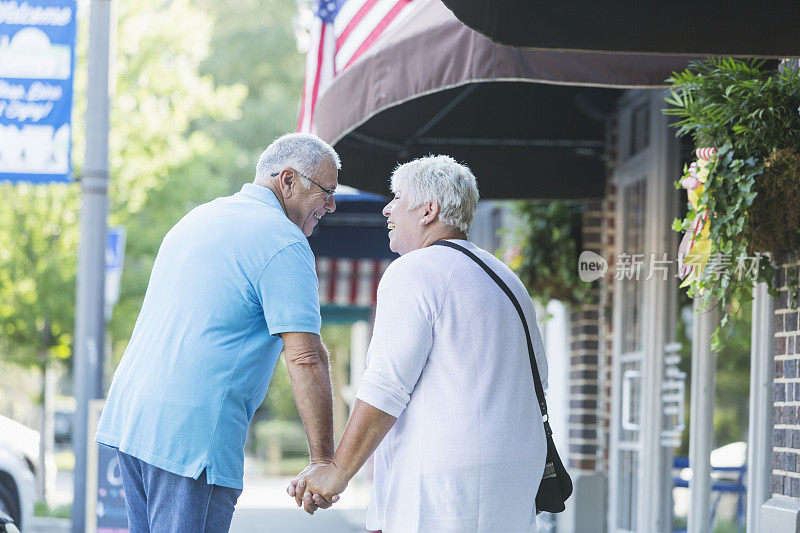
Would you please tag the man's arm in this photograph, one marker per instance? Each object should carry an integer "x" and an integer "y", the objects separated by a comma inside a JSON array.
[
  {"x": 307, "y": 362},
  {"x": 366, "y": 429}
]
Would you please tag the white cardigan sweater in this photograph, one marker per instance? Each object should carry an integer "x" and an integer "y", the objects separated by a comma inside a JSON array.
[{"x": 448, "y": 358}]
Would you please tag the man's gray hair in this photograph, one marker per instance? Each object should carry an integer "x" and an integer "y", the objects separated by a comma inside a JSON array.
[
  {"x": 303, "y": 152},
  {"x": 441, "y": 179}
]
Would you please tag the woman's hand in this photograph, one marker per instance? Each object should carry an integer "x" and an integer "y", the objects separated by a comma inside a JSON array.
[{"x": 318, "y": 486}]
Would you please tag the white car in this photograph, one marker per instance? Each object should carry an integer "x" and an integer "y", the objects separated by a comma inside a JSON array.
[{"x": 19, "y": 455}]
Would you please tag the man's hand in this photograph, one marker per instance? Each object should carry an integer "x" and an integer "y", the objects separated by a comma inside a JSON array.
[
  {"x": 311, "y": 501},
  {"x": 320, "y": 484}
]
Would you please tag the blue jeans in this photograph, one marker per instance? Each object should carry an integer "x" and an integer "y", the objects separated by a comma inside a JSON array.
[{"x": 158, "y": 501}]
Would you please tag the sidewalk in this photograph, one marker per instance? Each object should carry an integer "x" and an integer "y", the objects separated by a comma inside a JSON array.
[
  {"x": 297, "y": 521},
  {"x": 264, "y": 505}
]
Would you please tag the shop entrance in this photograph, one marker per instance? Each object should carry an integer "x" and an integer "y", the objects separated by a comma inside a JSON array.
[{"x": 645, "y": 389}]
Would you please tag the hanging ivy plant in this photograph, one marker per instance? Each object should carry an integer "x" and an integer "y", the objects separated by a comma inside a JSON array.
[
  {"x": 549, "y": 241},
  {"x": 744, "y": 188}
]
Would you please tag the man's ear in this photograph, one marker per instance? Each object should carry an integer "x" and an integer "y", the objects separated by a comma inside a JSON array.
[
  {"x": 430, "y": 212},
  {"x": 284, "y": 182}
]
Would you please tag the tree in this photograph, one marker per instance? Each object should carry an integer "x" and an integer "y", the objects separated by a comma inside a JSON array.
[
  {"x": 248, "y": 45},
  {"x": 38, "y": 233},
  {"x": 164, "y": 160},
  {"x": 254, "y": 44},
  {"x": 161, "y": 163}
]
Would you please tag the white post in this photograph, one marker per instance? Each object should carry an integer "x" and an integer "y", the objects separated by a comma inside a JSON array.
[
  {"x": 360, "y": 333},
  {"x": 701, "y": 425},
  {"x": 359, "y": 342},
  {"x": 759, "y": 435},
  {"x": 89, "y": 319}
]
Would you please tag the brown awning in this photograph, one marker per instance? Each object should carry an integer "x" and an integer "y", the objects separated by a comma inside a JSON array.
[
  {"x": 529, "y": 123},
  {"x": 759, "y": 29}
]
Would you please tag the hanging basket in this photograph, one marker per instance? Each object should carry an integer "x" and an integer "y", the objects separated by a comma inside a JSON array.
[{"x": 774, "y": 218}]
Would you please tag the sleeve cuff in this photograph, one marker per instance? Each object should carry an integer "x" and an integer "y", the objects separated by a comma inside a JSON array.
[
  {"x": 382, "y": 395},
  {"x": 276, "y": 329}
]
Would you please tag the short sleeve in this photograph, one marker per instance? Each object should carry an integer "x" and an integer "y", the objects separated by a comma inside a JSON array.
[
  {"x": 401, "y": 342},
  {"x": 289, "y": 291}
]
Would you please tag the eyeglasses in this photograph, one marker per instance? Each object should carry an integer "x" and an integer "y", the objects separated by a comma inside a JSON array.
[{"x": 328, "y": 192}]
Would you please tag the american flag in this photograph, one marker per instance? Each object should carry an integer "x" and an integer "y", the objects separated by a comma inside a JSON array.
[
  {"x": 349, "y": 282},
  {"x": 341, "y": 32}
]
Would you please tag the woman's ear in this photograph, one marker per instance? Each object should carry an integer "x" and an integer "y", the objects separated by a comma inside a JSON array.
[{"x": 430, "y": 212}]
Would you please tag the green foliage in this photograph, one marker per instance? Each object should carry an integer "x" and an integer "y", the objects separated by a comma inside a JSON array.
[
  {"x": 289, "y": 434},
  {"x": 38, "y": 237},
  {"x": 728, "y": 195},
  {"x": 170, "y": 166},
  {"x": 732, "y": 388},
  {"x": 62, "y": 511},
  {"x": 774, "y": 217},
  {"x": 253, "y": 44},
  {"x": 200, "y": 90},
  {"x": 721, "y": 100},
  {"x": 749, "y": 113},
  {"x": 161, "y": 166},
  {"x": 280, "y": 399},
  {"x": 547, "y": 257},
  {"x": 279, "y": 402}
]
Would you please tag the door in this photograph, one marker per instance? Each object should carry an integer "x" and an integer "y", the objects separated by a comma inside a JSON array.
[{"x": 645, "y": 291}]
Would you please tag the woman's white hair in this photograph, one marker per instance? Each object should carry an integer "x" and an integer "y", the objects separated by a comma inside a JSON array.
[
  {"x": 303, "y": 152},
  {"x": 441, "y": 179}
]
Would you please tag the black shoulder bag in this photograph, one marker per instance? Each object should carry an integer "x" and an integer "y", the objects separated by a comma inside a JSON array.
[{"x": 556, "y": 485}]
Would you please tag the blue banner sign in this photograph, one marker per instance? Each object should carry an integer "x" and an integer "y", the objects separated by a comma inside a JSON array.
[
  {"x": 111, "y": 514},
  {"x": 37, "y": 43}
]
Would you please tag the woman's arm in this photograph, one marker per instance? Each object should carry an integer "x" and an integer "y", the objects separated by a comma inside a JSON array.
[{"x": 366, "y": 429}]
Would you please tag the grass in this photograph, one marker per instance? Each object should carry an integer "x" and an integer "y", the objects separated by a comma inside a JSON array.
[
  {"x": 65, "y": 460},
  {"x": 62, "y": 511},
  {"x": 725, "y": 526},
  {"x": 721, "y": 525},
  {"x": 291, "y": 466}
]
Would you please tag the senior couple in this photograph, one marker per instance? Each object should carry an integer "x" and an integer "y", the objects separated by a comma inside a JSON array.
[{"x": 446, "y": 405}]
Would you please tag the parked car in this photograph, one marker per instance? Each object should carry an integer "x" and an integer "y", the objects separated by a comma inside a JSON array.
[
  {"x": 63, "y": 426},
  {"x": 7, "y": 524},
  {"x": 19, "y": 455}
]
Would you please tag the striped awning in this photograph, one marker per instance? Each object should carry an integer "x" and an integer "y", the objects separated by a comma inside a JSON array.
[{"x": 346, "y": 282}]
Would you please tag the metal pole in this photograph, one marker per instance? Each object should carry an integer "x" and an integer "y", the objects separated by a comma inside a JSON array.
[
  {"x": 759, "y": 436},
  {"x": 89, "y": 320},
  {"x": 701, "y": 425}
]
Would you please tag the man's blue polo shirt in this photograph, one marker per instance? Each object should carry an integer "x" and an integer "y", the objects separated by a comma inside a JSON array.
[{"x": 229, "y": 277}]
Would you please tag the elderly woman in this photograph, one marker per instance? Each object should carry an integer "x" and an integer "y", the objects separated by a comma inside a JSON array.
[{"x": 447, "y": 402}]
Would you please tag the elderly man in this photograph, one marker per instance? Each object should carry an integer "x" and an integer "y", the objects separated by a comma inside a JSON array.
[{"x": 233, "y": 283}]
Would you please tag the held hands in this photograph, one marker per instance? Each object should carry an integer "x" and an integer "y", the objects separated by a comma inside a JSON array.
[{"x": 317, "y": 486}]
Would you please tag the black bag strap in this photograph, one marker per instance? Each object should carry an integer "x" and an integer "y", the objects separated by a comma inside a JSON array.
[{"x": 537, "y": 381}]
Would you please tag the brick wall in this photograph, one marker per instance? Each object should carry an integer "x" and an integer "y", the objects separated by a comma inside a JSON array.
[
  {"x": 584, "y": 364},
  {"x": 606, "y": 329},
  {"x": 607, "y": 301},
  {"x": 786, "y": 390}
]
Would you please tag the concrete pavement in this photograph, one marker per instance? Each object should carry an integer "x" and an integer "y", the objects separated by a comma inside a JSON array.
[
  {"x": 263, "y": 507},
  {"x": 297, "y": 521}
]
